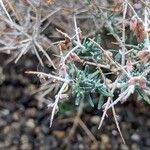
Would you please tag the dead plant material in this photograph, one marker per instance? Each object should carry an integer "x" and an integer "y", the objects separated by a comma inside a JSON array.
[
  {"x": 144, "y": 55},
  {"x": 64, "y": 45},
  {"x": 50, "y": 2},
  {"x": 137, "y": 26},
  {"x": 137, "y": 80}
]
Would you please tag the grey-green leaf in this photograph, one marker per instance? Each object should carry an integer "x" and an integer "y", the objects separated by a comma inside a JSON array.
[
  {"x": 100, "y": 102},
  {"x": 144, "y": 95},
  {"x": 88, "y": 97}
]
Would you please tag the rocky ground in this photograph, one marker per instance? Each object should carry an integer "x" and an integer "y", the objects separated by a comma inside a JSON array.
[{"x": 25, "y": 126}]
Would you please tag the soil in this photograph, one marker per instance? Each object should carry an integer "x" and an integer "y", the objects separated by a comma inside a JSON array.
[{"x": 25, "y": 126}]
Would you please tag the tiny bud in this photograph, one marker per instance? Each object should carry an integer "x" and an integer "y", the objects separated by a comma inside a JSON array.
[
  {"x": 133, "y": 23},
  {"x": 136, "y": 25},
  {"x": 62, "y": 71},
  {"x": 50, "y": 2},
  {"x": 141, "y": 82},
  {"x": 129, "y": 66},
  {"x": 63, "y": 46},
  {"x": 132, "y": 81},
  {"x": 75, "y": 57},
  {"x": 144, "y": 55},
  {"x": 108, "y": 53}
]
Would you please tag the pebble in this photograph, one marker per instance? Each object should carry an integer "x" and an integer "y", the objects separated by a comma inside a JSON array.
[
  {"x": 15, "y": 127},
  {"x": 31, "y": 112},
  {"x": 78, "y": 146},
  {"x": 135, "y": 137},
  {"x": 45, "y": 129},
  {"x": 95, "y": 119},
  {"x": 2, "y": 76},
  {"x": 50, "y": 142},
  {"x": 5, "y": 112},
  {"x": 26, "y": 146},
  {"x": 148, "y": 123},
  {"x": 24, "y": 139},
  {"x": 15, "y": 116},
  {"x": 114, "y": 132},
  {"x": 135, "y": 147},
  {"x": 124, "y": 147},
  {"x": 94, "y": 146},
  {"x": 81, "y": 146},
  {"x": 2, "y": 145},
  {"x": 2, "y": 123},
  {"x": 14, "y": 147},
  {"x": 59, "y": 134},
  {"x": 104, "y": 138},
  {"x": 30, "y": 123},
  {"x": 7, "y": 129},
  {"x": 147, "y": 142}
]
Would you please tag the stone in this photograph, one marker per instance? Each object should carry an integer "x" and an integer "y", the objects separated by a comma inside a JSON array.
[
  {"x": 95, "y": 119},
  {"x": 104, "y": 139},
  {"x": 30, "y": 124},
  {"x": 59, "y": 134},
  {"x": 135, "y": 137}
]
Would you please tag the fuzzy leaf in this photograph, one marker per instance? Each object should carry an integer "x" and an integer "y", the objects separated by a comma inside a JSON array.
[
  {"x": 105, "y": 92},
  {"x": 86, "y": 69},
  {"x": 88, "y": 97},
  {"x": 77, "y": 100},
  {"x": 100, "y": 102},
  {"x": 79, "y": 96},
  {"x": 144, "y": 95}
]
